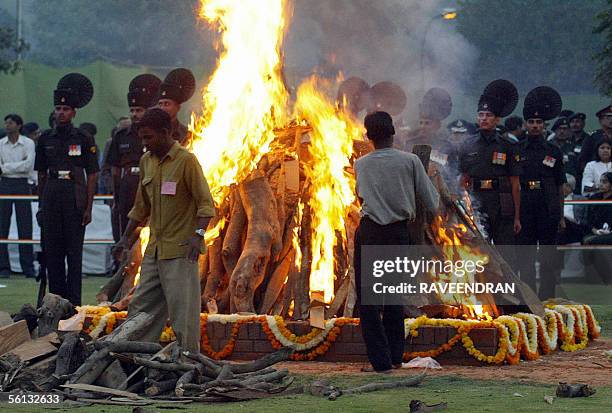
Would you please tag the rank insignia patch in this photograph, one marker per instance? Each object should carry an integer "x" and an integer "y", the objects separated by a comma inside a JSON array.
[
  {"x": 499, "y": 158},
  {"x": 74, "y": 150}
]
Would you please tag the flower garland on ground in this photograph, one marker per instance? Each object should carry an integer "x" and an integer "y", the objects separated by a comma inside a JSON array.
[{"x": 522, "y": 334}]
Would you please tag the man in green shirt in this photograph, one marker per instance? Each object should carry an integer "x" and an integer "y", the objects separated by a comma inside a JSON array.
[{"x": 174, "y": 197}]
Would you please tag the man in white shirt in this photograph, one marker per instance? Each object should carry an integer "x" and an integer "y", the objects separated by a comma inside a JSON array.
[{"x": 17, "y": 154}]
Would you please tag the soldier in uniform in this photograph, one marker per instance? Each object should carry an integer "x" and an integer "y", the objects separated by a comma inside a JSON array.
[
  {"x": 577, "y": 121},
  {"x": 178, "y": 87},
  {"x": 563, "y": 138},
  {"x": 126, "y": 147},
  {"x": 541, "y": 192},
  {"x": 489, "y": 164},
  {"x": 433, "y": 109},
  {"x": 67, "y": 166},
  {"x": 590, "y": 143}
]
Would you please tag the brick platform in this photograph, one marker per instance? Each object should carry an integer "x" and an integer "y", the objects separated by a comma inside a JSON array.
[{"x": 252, "y": 343}]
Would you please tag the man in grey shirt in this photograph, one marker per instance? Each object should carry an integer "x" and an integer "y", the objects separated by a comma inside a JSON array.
[{"x": 388, "y": 183}]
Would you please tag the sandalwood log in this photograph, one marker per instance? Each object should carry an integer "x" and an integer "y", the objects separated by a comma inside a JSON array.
[
  {"x": 187, "y": 377},
  {"x": 132, "y": 329},
  {"x": 233, "y": 237},
  {"x": 129, "y": 346},
  {"x": 159, "y": 387},
  {"x": 302, "y": 283},
  {"x": 124, "y": 303},
  {"x": 339, "y": 298},
  {"x": 53, "y": 309},
  {"x": 215, "y": 261},
  {"x": 176, "y": 366},
  {"x": 264, "y": 362},
  {"x": 89, "y": 371},
  {"x": 276, "y": 282},
  {"x": 209, "y": 364},
  {"x": 254, "y": 373},
  {"x": 370, "y": 387},
  {"x": 260, "y": 207}
]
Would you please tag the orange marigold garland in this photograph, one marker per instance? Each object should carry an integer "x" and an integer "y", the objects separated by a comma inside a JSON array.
[{"x": 521, "y": 334}]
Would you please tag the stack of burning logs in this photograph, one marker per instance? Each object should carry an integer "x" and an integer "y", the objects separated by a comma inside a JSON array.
[{"x": 253, "y": 265}]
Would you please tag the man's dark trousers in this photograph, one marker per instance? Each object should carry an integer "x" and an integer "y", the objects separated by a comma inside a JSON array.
[
  {"x": 384, "y": 339},
  {"x": 23, "y": 209}
]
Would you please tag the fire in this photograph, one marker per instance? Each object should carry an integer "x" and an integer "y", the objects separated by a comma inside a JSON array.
[
  {"x": 295, "y": 239},
  {"x": 145, "y": 232},
  {"x": 245, "y": 99},
  {"x": 332, "y": 187},
  {"x": 448, "y": 236}
]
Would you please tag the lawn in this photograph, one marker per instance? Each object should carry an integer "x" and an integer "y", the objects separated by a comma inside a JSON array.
[{"x": 462, "y": 395}]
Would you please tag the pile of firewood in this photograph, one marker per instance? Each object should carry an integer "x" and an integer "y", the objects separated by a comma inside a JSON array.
[
  {"x": 120, "y": 369},
  {"x": 251, "y": 266}
]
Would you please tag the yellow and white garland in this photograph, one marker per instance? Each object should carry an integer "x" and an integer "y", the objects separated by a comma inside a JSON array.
[{"x": 520, "y": 335}]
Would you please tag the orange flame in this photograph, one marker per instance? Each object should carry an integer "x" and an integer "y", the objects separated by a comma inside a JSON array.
[
  {"x": 448, "y": 236},
  {"x": 245, "y": 98},
  {"x": 332, "y": 187},
  {"x": 145, "y": 233}
]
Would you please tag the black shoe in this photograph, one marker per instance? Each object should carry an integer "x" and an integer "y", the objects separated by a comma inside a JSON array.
[{"x": 29, "y": 275}]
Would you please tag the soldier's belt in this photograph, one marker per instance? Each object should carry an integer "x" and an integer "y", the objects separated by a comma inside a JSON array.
[
  {"x": 485, "y": 184},
  {"x": 531, "y": 185},
  {"x": 131, "y": 170},
  {"x": 63, "y": 175}
]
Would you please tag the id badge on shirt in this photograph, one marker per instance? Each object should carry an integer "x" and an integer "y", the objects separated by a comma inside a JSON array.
[
  {"x": 74, "y": 150},
  {"x": 168, "y": 188},
  {"x": 549, "y": 161},
  {"x": 499, "y": 158}
]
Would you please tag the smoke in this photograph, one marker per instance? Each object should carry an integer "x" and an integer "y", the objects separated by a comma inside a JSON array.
[{"x": 379, "y": 40}]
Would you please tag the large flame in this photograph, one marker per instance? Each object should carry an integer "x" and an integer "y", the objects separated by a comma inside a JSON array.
[
  {"x": 145, "y": 233},
  {"x": 245, "y": 98},
  {"x": 448, "y": 236},
  {"x": 332, "y": 187}
]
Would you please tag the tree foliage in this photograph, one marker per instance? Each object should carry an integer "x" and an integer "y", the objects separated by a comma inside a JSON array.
[
  {"x": 534, "y": 42},
  {"x": 604, "y": 56},
  {"x": 10, "y": 46},
  {"x": 144, "y": 32}
]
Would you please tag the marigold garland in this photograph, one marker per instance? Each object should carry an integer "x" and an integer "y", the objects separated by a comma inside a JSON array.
[{"x": 565, "y": 327}]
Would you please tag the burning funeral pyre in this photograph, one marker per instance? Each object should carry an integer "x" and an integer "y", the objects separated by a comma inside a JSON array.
[{"x": 280, "y": 172}]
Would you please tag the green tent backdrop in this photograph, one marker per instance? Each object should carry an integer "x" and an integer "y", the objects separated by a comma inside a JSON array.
[{"x": 29, "y": 93}]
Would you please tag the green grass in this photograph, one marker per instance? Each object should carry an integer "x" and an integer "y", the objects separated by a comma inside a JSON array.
[
  {"x": 462, "y": 395},
  {"x": 19, "y": 290}
]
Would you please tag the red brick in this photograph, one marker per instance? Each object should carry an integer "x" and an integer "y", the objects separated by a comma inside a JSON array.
[
  {"x": 350, "y": 348},
  {"x": 441, "y": 335},
  {"x": 346, "y": 336},
  {"x": 218, "y": 330},
  {"x": 426, "y": 336},
  {"x": 243, "y": 346},
  {"x": 484, "y": 337},
  {"x": 356, "y": 329},
  {"x": 262, "y": 346},
  {"x": 236, "y": 355},
  {"x": 243, "y": 332},
  {"x": 255, "y": 331}
]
